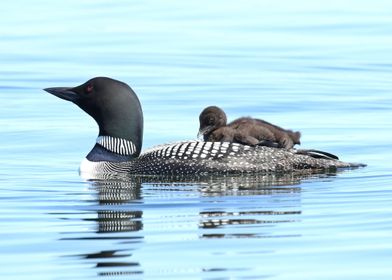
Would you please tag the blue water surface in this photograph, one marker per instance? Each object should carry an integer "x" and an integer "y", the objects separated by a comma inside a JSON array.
[{"x": 321, "y": 67}]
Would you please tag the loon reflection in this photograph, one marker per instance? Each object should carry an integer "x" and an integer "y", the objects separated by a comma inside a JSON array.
[
  {"x": 121, "y": 203},
  {"x": 114, "y": 222}
]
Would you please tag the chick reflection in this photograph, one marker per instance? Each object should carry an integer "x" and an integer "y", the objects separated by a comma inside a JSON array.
[{"x": 271, "y": 199}]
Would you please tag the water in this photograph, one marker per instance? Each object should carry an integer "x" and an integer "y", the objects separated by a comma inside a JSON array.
[{"x": 319, "y": 67}]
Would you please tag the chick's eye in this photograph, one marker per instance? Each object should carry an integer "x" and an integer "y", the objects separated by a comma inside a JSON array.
[{"x": 89, "y": 88}]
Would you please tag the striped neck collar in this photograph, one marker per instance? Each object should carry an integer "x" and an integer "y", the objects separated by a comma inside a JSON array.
[{"x": 117, "y": 145}]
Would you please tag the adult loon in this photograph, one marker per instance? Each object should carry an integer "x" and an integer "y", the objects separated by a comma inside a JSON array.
[
  {"x": 245, "y": 130},
  {"x": 118, "y": 113}
]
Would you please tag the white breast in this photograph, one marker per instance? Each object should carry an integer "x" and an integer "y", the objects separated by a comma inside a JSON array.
[{"x": 88, "y": 168}]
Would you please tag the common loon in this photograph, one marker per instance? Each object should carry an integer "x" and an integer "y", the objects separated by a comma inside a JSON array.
[
  {"x": 245, "y": 130},
  {"x": 118, "y": 113}
]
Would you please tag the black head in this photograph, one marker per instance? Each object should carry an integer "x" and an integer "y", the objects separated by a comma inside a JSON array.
[
  {"x": 113, "y": 105},
  {"x": 210, "y": 119}
]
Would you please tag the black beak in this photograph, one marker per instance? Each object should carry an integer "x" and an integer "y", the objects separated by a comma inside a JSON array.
[{"x": 65, "y": 93}]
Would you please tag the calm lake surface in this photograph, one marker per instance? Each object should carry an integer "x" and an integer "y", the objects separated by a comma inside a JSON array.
[{"x": 323, "y": 68}]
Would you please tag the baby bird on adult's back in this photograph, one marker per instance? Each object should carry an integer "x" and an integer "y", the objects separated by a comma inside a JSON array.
[{"x": 245, "y": 130}]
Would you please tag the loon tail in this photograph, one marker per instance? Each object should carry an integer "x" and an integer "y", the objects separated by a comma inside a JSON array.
[{"x": 317, "y": 154}]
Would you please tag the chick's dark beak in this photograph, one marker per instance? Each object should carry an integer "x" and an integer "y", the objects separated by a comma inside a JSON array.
[{"x": 203, "y": 131}]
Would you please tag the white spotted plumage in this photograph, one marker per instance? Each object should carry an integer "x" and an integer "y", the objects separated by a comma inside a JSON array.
[{"x": 195, "y": 157}]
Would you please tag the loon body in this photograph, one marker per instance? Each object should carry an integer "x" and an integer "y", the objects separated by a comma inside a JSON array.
[
  {"x": 117, "y": 111},
  {"x": 245, "y": 130}
]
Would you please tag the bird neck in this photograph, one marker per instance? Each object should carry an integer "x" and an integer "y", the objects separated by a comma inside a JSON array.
[{"x": 113, "y": 149}]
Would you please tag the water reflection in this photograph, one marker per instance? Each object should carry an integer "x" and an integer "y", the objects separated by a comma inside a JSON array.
[
  {"x": 115, "y": 225},
  {"x": 119, "y": 205},
  {"x": 117, "y": 193},
  {"x": 114, "y": 194},
  {"x": 282, "y": 189},
  {"x": 222, "y": 219}
]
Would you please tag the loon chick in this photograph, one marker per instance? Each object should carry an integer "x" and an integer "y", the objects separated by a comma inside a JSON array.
[
  {"x": 118, "y": 113},
  {"x": 245, "y": 130}
]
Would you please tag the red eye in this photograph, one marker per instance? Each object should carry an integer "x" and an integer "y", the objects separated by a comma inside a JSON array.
[{"x": 89, "y": 88}]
